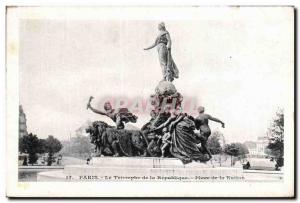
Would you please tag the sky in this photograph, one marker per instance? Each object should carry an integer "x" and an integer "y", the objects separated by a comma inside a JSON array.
[{"x": 233, "y": 61}]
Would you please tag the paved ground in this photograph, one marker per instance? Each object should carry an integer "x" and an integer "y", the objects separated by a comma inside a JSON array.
[
  {"x": 263, "y": 175},
  {"x": 28, "y": 175}
]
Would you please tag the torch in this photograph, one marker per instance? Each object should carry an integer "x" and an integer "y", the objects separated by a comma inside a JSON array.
[{"x": 89, "y": 103}]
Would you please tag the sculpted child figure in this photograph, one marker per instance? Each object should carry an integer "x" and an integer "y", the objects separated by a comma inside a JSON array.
[{"x": 166, "y": 141}]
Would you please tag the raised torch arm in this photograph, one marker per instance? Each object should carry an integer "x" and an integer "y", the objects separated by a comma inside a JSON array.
[{"x": 89, "y": 106}]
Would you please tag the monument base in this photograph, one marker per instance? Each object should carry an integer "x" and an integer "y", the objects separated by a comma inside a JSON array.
[{"x": 142, "y": 169}]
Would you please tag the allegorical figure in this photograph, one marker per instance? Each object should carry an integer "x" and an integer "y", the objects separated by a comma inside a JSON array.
[
  {"x": 183, "y": 140},
  {"x": 201, "y": 124},
  {"x": 163, "y": 43},
  {"x": 119, "y": 116}
]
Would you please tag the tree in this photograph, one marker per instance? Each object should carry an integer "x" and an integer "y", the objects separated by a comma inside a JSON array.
[
  {"x": 31, "y": 145},
  {"x": 213, "y": 143},
  {"x": 79, "y": 147},
  {"x": 235, "y": 150},
  {"x": 276, "y": 137},
  {"x": 243, "y": 150},
  {"x": 231, "y": 149},
  {"x": 51, "y": 145},
  {"x": 250, "y": 144}
]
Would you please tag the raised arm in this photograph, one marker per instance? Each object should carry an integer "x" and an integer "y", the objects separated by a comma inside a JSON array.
[
  {"x": 96, "y": 110},
  {"x": 174, "y": 123},
  {"x": 216, "y": 120},
  {"x": 179, "y": 118},
  {"x": 164, "y": 124}
]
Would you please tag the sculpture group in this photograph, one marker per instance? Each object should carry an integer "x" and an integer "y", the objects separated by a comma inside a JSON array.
[{"x": 169, "y": 133}]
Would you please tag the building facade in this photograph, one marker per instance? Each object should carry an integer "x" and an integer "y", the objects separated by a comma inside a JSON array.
[
  {"x": 258, "y": 148},
  {"x": 22, "y": 122}
]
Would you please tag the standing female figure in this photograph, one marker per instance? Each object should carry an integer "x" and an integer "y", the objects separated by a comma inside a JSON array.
[{"x": 163, "y": 43}]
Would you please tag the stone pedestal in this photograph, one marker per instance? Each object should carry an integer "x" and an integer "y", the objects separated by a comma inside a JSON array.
[{"x": 142, "y": 169}]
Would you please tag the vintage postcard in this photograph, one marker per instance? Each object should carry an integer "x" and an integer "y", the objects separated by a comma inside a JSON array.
[{"x": 136, "y": 101}]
